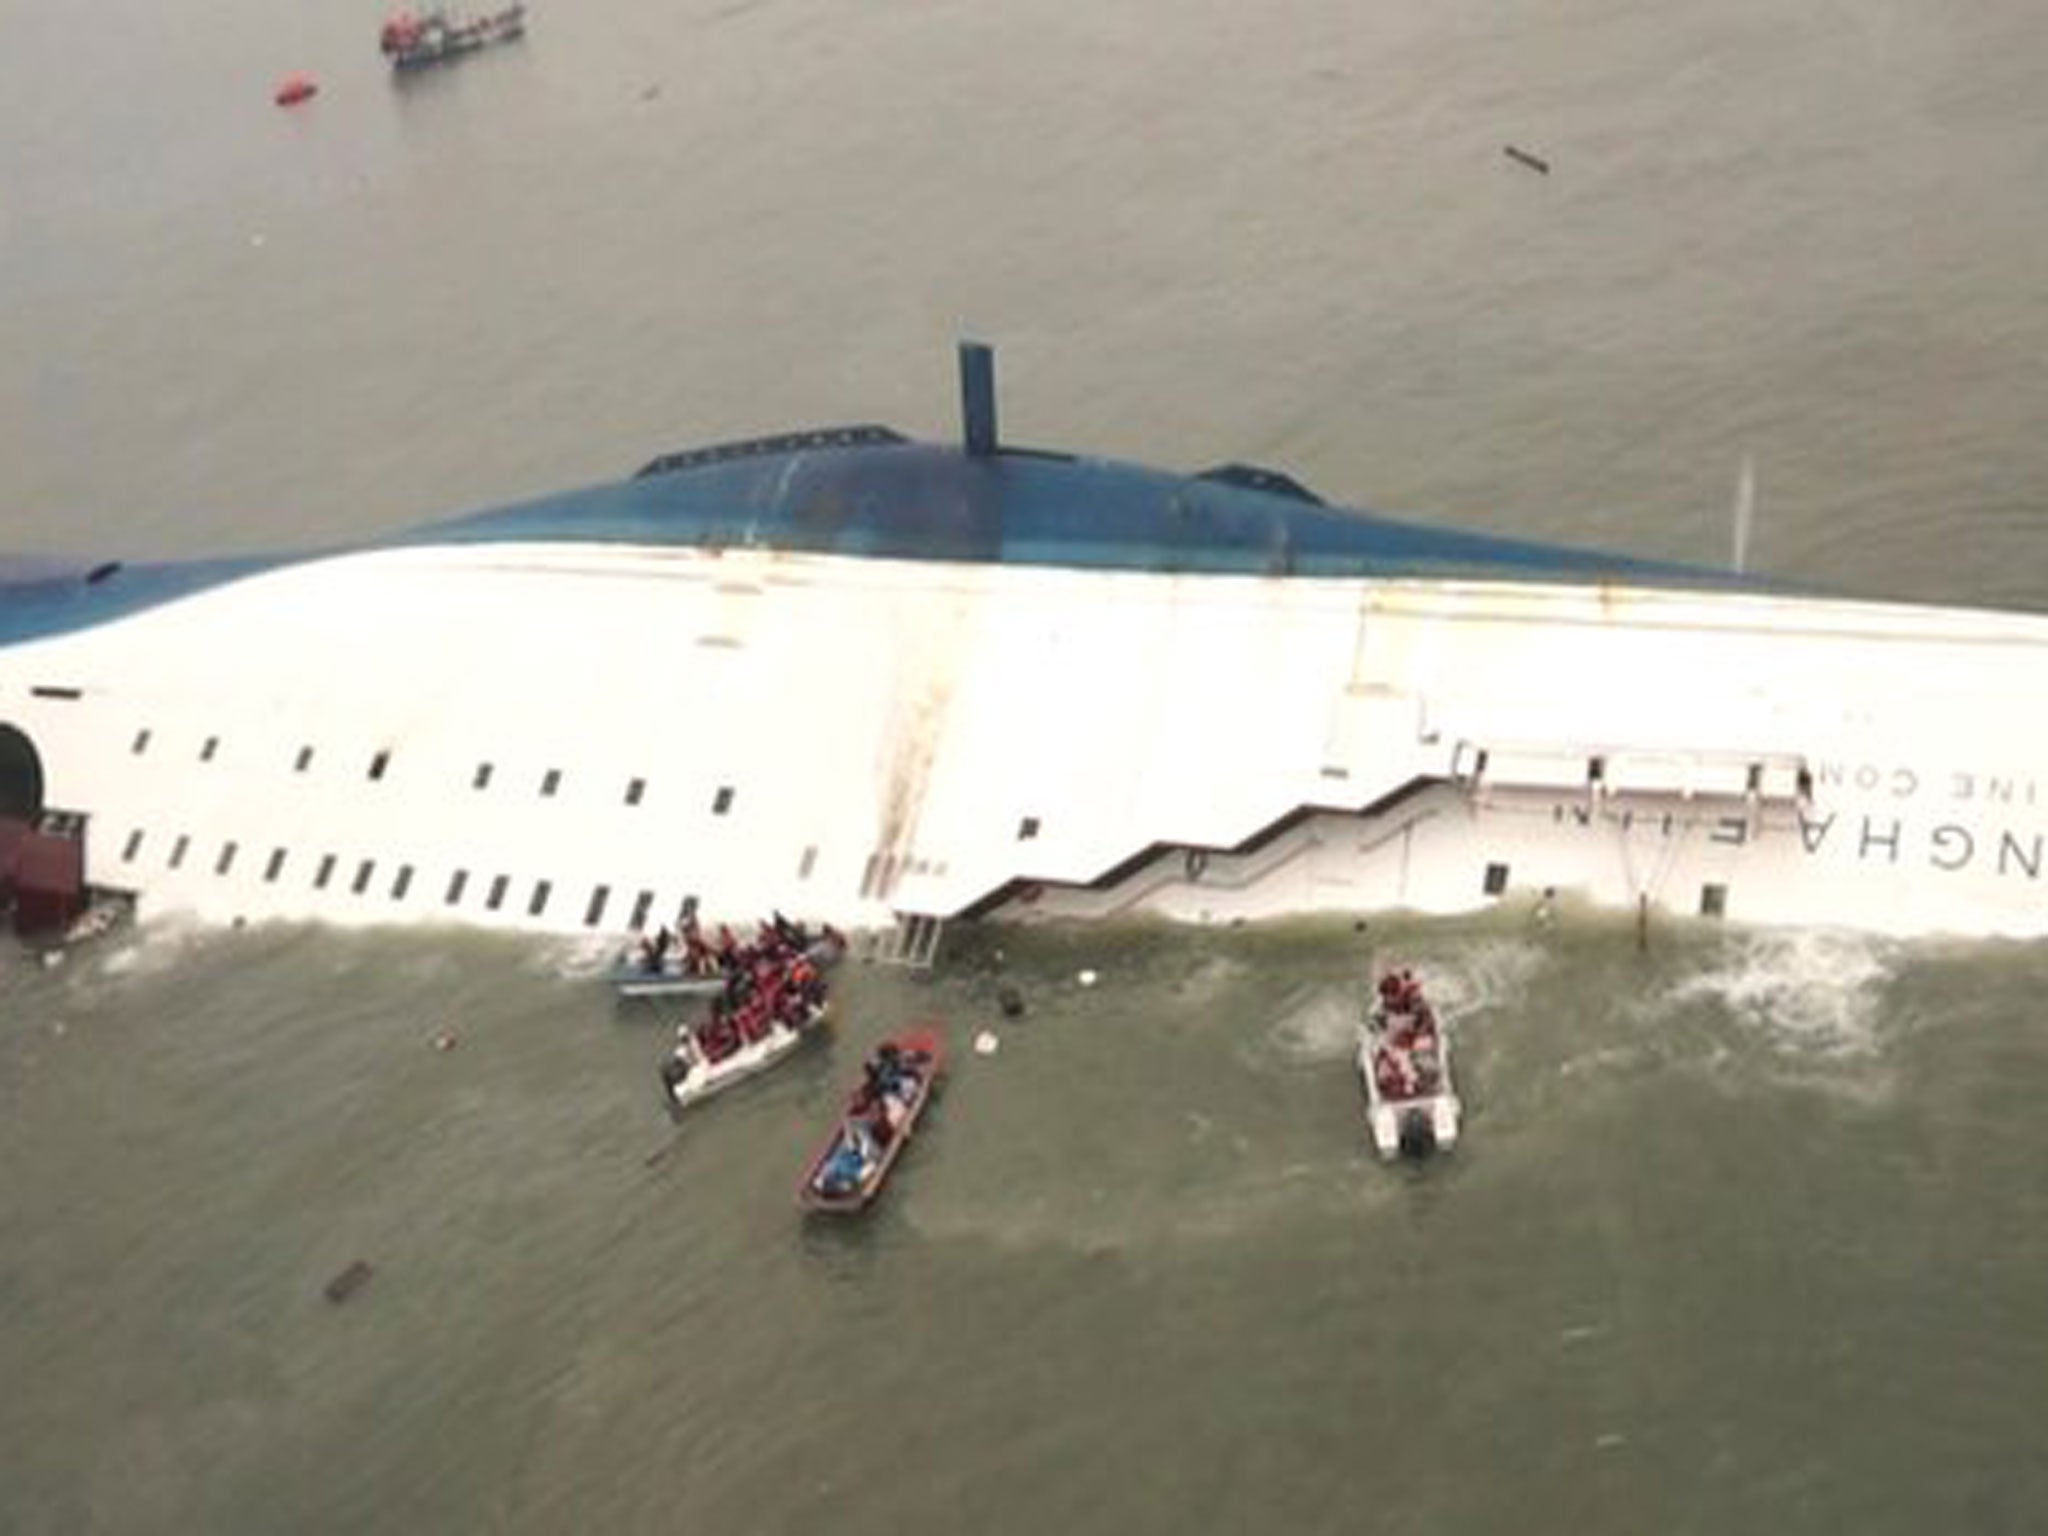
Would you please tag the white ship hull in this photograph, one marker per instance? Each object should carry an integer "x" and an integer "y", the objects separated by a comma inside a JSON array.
[
  {"x": 1836, "y": 763},
  {"x": 557, "y": 736}
]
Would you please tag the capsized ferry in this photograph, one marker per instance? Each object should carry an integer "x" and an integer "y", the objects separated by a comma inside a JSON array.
[{"x": 893, "y": 685}]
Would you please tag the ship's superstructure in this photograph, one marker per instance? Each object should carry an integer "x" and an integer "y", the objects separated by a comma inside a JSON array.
[{"x": 890, "y": 684}]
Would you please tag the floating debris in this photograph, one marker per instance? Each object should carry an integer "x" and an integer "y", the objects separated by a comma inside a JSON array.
[
  {"x": 1522, "y": 156},
  {"x": 445, "y": 1040},
  {"x": 349, "y": 1281},
  {"x": 1086, "y": 978},
  {"x": 295, "y": 88},
  {"x": 1010, "y": 1000},
  {"x": 986, "y": 1043}
]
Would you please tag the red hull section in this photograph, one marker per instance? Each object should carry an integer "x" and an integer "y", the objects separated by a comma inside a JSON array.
[{"x": 42, "y": 875}]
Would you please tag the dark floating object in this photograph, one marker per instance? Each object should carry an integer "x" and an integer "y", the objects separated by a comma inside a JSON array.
[
  {"x": 349, "y": 1281},
  {"x": 1010, "y": 1000},
  {"x": 1522, "y": 156}
]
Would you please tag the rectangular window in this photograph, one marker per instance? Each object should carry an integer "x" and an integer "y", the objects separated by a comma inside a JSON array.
[
  {"x": 379, "y": 763},
  {"x": 403, "y": 883},
  {"x": 539, "y": 903},
  {"x": 635, "y": 788},
  {"x": 642, "y": 904},
  {"x": 722, "y": 801},
  {"x": 456, "y": 882},
  {"x": 303, "y": 761},
  {"x": 132, "y": 847},
  {"x": 212, "y": 746},
  {"x": 807, "y": 863},
  {"x": 361, "y": 883},
  {"x": 594, "y": 913},
  {"x": 496, "y": 898},
  {"x": 1027, "y": 829},
  {"x": 1496, "y": 879},
  {"x": 325, "y": 872},
  {"x": 276, "y": 865},
  {"x": 227, "y": 857},
  {"x": 178, "y": 849},
  {"x": 482, "y": 777},
  {"x": 686, "y": 911},
  {"x": 550, "y": 781},
  {"x": 141, "y": 742},
  {"x": 1713, "y": 901},
  {"x": 47, "y": 691}
]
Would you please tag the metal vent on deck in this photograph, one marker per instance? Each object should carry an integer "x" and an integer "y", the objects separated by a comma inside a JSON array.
[
  {"x": 1254, "y": 477},
  {"x": 864, "y": 435}
]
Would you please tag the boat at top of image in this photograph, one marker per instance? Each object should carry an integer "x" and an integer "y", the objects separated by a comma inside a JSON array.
[
  {"x": 897, "y": 1082},
  {"x": 686, "y": 963},
  {"x": 1404, "y": 1062},
  {"x": 415, "y": 39},
  {"x": 907, "y": 685}
]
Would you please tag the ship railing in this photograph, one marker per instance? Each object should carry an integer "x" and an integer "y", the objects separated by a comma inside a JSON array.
[{"x": 911, "y": 942}]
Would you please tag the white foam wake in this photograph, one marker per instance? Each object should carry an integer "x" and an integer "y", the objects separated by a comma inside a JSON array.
[
  {"x": 1322, "y": 1026},
  {"x": 1464, "y": 983},
  {"x": 148, "y": 947},
  {"x": 1811, "y": 992}
]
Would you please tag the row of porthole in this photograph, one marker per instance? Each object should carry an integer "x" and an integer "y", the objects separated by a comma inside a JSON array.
[
  {"x": 550, "y": 781},
  {"x": 401, "y": 883}
]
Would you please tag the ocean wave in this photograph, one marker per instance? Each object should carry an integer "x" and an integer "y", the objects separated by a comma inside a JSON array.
[
  {"x": 1321, "y": 1026},
  {"x": 577, "y": 958},
  {"x": 1808, "y": 992},
  {"x": 149, "y": 947},
  {"x": 1463, "y": 983}
]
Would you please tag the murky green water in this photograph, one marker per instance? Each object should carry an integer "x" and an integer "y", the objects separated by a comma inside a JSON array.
[{"x": 1746, "y": 1234}]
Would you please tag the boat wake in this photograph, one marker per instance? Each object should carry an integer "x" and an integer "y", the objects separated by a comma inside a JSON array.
[
  {"x": 1321, "y": 1026},
  {"x": 1813, "y": 994},
  {"x": 1210, "y": 979},
  {"x": 1478, "y": 977},
  {"x": 1464, "y": 983},
  {"x": 579, "y": 958},
  {"x": 1149, "y": 1218},
  {"x": 150, "y": 948}
]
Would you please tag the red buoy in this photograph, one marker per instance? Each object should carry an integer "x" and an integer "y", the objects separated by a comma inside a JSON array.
[{"x": 295, "y": 88}]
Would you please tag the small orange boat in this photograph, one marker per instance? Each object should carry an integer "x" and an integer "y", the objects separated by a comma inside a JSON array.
[{"x": 295, "y": 88}]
